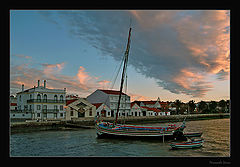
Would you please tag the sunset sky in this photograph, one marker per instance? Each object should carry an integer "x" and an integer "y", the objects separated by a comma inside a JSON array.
[{"x": 174, "y": 54}]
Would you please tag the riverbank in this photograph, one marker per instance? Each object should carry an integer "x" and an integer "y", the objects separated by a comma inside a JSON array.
[{"x": 16, "y": 127}]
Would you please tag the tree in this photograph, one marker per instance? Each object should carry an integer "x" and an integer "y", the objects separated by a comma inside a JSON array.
[
  {"x": 202, "y": 106},
  {"x": 213, "y": 106},
  {"x": 177, "y": 104},
  {"x": 222, "y": 104},
  {"x": 192, "y": 106},
  {"x": 228, "y": 105}
]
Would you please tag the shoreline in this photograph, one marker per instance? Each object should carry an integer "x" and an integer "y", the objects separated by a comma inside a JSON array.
[{"x": 88, "y": 123}]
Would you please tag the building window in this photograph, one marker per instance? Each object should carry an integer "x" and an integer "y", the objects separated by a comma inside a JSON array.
[
  {"x": 90, "y": 112},
  {"x": 61, "y": 107},
  {"x": 13, "y": 115},
  {"x": 61, "y": 98},
  {"x": 38, "y": 97},
  {"x": 55, "y": 98},
  {"x": 61, "y": 114},
  {"x": 23, "y": 115},
  {"x": 25, "y": 107},
  {"x": 20, "y": 98},
  {"x": 55, "y": 107},
  {"x": 38, "y": 114},
  {"x": 38, "y": 107},
  {"x": 71, "y": 113},
  {"x": 30, "y": 96},
  {"x": 45, "y": 98}
]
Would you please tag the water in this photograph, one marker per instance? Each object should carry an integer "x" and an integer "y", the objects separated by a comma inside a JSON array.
[{"x": 83, "y": 142}]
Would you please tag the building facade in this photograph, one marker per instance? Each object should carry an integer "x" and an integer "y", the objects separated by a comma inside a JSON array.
[
  {"x": 79, "y": 108},
  {"x": 41, "y": 102},
  {"x": 110, "y": 98},
  {"x": 150, "y": 108},
  {"x": 102, "y": 110}
]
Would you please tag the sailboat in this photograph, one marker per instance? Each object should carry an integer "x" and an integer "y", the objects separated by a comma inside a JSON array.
[{"x": 109, "y": 130}]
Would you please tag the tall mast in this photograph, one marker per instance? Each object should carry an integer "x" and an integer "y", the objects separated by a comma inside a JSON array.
[{"x": 123, "y": 73}]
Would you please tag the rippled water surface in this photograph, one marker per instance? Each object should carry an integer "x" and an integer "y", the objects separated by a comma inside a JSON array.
[{"x": 83, "y": 142}]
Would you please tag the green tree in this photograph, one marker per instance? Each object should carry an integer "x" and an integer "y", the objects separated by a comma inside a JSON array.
[
  {"x": 213, "y": 106},
  {"x": 222, "y": 104},
  {"x": 228, "y": 105},
  {"x": 177, "y": 104},
  {"x": 192, "y": 106},
  {"x": 202, "y": 106}
]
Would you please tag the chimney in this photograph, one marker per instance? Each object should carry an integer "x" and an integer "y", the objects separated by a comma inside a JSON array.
[
  {"x": 38, "y": 82},
  {"x": 22, "y": 87},
  {"x": 44, "y": 83}
]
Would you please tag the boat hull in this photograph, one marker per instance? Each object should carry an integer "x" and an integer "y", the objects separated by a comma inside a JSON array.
[
  {"x": 187, "y": 145},
  {"x": 133, "y": 132}
]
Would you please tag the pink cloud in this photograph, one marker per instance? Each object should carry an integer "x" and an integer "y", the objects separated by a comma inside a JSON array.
[
  {"x": 138, "y": 97},
  {"x": 82, "y": 83},
  {"x": 83, "y": 76}
]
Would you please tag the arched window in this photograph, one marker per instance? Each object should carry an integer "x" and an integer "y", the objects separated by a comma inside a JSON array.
[
  {"x": 55, "y": 98},
  {"x": 45, "y": 98},
  {"x": 38, "y": 97},
  {"x": 61, "y": 98}
]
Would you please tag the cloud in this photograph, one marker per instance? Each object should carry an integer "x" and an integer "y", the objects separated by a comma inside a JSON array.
[
  {"x": 177, "y": 48},
  {"x": 82, "y": 83},
  {"x": 137, "y": 97},
  {"x": 52, "y": 68},
  {"x": 22, "y": 56}
]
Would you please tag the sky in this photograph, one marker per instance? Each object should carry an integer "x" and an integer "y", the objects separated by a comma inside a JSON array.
[{"x": 174, "y": 54}]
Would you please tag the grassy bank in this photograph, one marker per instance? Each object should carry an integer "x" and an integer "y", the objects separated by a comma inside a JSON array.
[{"x": 89, "y": 122}]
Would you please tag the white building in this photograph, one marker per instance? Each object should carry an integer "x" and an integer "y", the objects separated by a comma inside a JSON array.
[
  {"x": 149, "y": 108},
  {"x": 102, "y": 110},
  {"x": 78, "y": 108},
  {"x": 110, "y": 98},
  {"x": 136, "y": 110},
  {"x": 41, "y": 102}
]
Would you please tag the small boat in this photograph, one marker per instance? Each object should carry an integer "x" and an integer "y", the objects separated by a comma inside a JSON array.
[
  {"x": 193, "y": 134},
  {"x": 194, "y": 143}
]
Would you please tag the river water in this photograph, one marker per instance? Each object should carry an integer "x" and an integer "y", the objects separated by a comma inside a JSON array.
[{"x": 83, "y": 143}]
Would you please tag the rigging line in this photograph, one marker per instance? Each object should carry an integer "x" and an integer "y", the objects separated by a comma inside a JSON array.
[
  {"x": 113, "y": 75},
  {"x": 117, "y": 73}
]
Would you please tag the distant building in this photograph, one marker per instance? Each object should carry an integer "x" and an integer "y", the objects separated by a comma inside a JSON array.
[
  {"x": 12, "y": 103},
  {"x": 102, "y": 110},
  {"x": 150, "y": 108},
  {"x": 79, "y": 108},
  {"x": 136, "y": 110},
  {"x": 110, "y": 98},
  {"x": 71, "y": 96},
  {"x": 41, "y": 102}
]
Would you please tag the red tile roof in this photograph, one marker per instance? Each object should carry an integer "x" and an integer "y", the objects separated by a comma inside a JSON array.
[
  {"x": 97, "y": 105},
  {"x": 70, "y": 101},
  {"x": 152, "y": 109},
  {"x": 13, "y": 104},
  {"x": 149, "y": 102},
  {"x": 132, "y": 104},
  {"x": 112, "y": 92}
]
